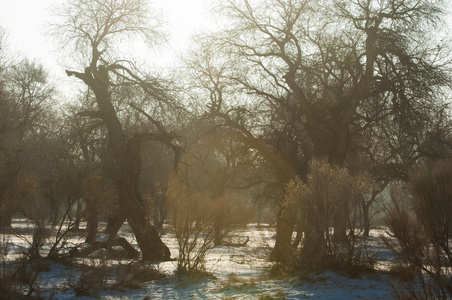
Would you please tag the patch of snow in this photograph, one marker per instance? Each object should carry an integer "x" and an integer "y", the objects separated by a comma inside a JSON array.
[
  {"x": 237, "y": 273},
  {"x": 102, "y": 238}
]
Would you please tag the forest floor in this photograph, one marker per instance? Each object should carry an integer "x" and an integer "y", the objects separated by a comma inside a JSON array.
[{"x": 234, "y": 273}]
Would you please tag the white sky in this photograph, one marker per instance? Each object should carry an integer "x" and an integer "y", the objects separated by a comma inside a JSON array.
[{"x": 25, "y": 21}]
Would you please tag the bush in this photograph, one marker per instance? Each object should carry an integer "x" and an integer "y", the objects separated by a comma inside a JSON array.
[
  {"x": 329, "y": 212},
  {"x": 422, "y": 234},
  {"x": 91, "y": 280},
  {"x": 194, "y": 225},
  {"x": 204, "y": 210},
  {"x": 53, "y": 243},
  {"x": 17, "y": 278}
]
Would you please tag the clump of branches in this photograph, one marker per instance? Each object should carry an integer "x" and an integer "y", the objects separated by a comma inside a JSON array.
[
  {"x": 91, "y": 279},
  {"x": 43, "y": 243},
  {"x": 54, "y": 242},
  {"x": 18, "y": 277},
  {"x": 206, "y": 203},
  {"x": 97, "y": 274},
  {"x": 202, "y": 221},
  {"x": 194, "y": 223},
  {"x": 329, "y": 213},
  {"x": 421, "y": 230}
]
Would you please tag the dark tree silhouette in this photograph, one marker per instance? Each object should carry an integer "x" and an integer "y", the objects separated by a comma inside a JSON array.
[
  {"x": 329, "y": 71},
  {"x": 93, "y": 27}
]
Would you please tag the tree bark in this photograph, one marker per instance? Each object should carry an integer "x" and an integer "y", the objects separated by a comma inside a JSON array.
[
  {"x": 366, "y": 219},
  {"x": 340, "y": 226},
  {"x": 152, "y": 247},
  {"x": 365, "y": 206},
  {"x": 78, "y": 215},
  {"x": 92, "y": 223},
  {"x": 114, "y": 223},
  {"x": 6, "y": 216},
  {"x": 283, "y": 250},
  {"x": 54, "y": 212}
]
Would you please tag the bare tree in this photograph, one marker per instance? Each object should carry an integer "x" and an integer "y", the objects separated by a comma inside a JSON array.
[
  {"x": 26, "y": 97},
  {"x": 94, "y": 29},
  {"x": 329, "y": 71}
]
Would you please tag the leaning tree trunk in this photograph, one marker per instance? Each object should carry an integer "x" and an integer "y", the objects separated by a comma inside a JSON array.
[
  {"x": 127, "y": 158},
  {"x": 136, "y": 211},
  {"x": 152, "y": 247}
]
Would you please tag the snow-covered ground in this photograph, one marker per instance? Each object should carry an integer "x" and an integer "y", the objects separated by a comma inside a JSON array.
[{"x": 237, "y": 273}]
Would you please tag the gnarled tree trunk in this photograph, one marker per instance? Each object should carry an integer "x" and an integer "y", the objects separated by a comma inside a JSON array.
[{"x": 127, "y": 157}]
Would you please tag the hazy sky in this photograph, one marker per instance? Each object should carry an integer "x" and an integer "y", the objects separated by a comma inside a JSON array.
[{"x": 25, "y": 21}]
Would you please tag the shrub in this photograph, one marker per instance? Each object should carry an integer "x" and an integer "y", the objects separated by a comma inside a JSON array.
[
  {"x": 328, "y": 212},
  {"x": 201, "y": 221},
  {"x": 422, "y": 234},
  {"x": 53, "y": 243},
  {"x": 194, "y": 225},
  {"x": 91, "y": 280},
  {"x": 17, "y": 278}
]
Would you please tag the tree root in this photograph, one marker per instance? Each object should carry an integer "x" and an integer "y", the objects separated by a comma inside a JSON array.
[{"x": 111, "y": 247}]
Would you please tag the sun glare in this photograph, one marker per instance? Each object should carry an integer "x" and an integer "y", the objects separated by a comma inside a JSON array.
[{"x": 184, "y": 18}]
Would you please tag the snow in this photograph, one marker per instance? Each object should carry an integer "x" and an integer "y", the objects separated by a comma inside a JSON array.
[{"x": 237, "y": 273}]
